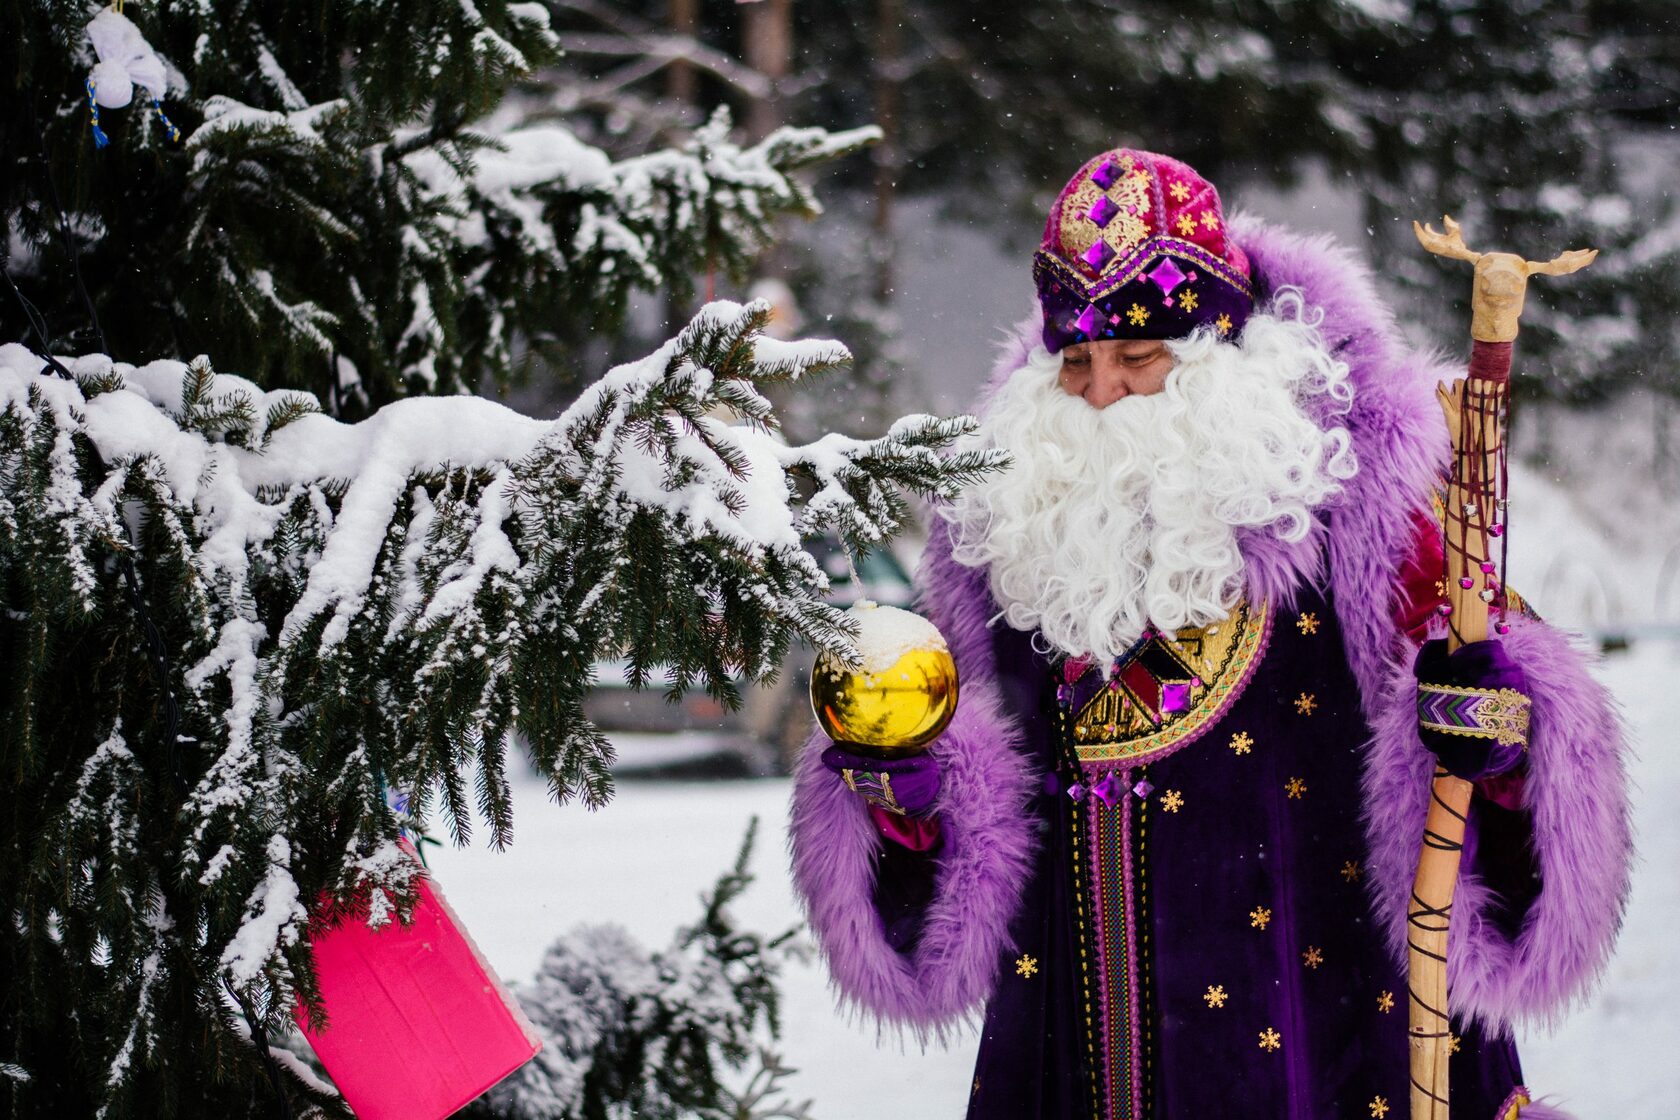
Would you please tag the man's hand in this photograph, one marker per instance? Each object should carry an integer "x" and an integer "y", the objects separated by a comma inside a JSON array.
[
  {"x": 906, "y": 787},
  {"x": 1472, "y": 707}
]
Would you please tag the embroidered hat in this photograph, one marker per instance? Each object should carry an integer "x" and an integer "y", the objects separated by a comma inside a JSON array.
[{"x": 1135, "y": 247}]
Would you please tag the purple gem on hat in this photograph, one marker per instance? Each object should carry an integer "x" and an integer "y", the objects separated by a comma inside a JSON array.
[
  {"x": 1106, "y": 175},
  {"x": 1087, "y": 321},
  {"x": 1097, "y": 255},
  {"x": 1102, "y": 211},
  {"x": 1143, "y": 788},
  {"x": 1166, "y": 275}
]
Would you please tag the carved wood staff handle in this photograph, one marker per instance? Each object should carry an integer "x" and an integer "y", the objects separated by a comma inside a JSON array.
[{"x": 1473, "y": 517}]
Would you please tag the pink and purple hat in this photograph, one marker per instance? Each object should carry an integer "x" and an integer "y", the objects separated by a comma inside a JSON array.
[{"x": 1136, "y": 247}]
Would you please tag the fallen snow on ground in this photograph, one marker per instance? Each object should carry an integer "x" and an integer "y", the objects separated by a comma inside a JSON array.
[{"x": 644, "y": 859}]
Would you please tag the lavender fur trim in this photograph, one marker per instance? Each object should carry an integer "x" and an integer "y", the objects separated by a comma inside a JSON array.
[
  {"x": 1540, "y": 1110},
  {"x": 1576, "y": 793},
  {"x": 981, "y": 871}
]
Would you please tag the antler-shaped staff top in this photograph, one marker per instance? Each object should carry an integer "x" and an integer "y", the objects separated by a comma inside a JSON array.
[{"x": 1501, "y": 278}]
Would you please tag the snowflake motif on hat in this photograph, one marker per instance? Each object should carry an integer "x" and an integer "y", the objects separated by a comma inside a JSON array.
[{"x": 1136, "y": 246}]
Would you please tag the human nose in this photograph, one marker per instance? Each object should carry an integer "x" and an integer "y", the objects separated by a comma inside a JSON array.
[{"x": 1109, "y": 382}]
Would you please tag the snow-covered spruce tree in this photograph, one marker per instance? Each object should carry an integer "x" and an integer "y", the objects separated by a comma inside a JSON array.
[
  {"x": 231, "y": 623},
  {"x": 345, "y": 211},
  {"x": 654, "y": 1035}
]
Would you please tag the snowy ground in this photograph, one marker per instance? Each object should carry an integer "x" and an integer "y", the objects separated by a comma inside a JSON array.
[{"x": 644, "y": 860}]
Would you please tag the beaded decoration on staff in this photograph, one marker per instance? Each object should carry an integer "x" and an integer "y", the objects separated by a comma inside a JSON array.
[{"x": 1473, "y": 517}]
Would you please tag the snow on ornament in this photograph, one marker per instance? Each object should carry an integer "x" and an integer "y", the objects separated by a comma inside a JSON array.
[
  {"x": 902, "y": 693},
  {"x": 125, "y": 60}
]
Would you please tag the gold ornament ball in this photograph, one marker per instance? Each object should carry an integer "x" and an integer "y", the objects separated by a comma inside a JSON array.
[{"x": 902, "y": 695}]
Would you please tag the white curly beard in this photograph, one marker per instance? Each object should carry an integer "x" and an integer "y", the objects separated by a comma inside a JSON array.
[{"x": 1110, "y": 520}]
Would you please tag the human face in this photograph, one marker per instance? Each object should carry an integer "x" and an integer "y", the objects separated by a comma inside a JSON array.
[{"x": 1104, "y": 371}]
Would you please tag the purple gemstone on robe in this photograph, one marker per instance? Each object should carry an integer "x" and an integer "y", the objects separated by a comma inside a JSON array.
[
  {"x": 1102, "y": 211},
  {"x": 1143, "y": 788},
  {"x": 1087, "y": 321},
  {"x": 1175, "y": 698},
  {"x": 1166, "y": 275},
  {"x": 1097, "y": 255},
  {"x": 1076, "y": 791},
  {"x": 1106, "y": 175},
  {"x": 1105, "y": 789}
]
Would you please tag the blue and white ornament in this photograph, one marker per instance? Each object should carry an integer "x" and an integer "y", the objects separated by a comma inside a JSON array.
[{"x": 125, "y": 60}]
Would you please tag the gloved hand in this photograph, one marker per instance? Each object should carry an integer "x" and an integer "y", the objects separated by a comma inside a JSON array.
[
  {"x": 902, "y": 786},
  {"x": 1472, "y": 707}
]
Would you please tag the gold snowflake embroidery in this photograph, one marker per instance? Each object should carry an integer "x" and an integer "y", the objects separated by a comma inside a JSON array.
[
  {"x": 1313, "y": 957},
  {"x": 1453, "y": 1042},
  {"x": 1173, "y": 801},
  {"x": 1440, "y": 589},
  {"x": 1137, "y": 315},
  {"x": 1307, "y": 623},
  {"x": 1385, "y": 1002},
  {"x": 1270, "y": 1039},
  {"x": 1215, "y": 996},
  {"x": 1187, "y": 301},
  {"x": 1209, "y": 221},
  {"x": 1297, "y": 789},
  {"x": 1223, "y": 323},
  {"x": 1259, "y": 917},
  {"x": 1350, "y": 870},
  {"x": 1306, "y": 703},
  {"x": 1186, "y": 225},
  {"x": 1379, "y": 1108},
  {"x": 1242, "y": 742},
  {"x": 1180, "y": 191},
  {"x": 1026, "y": 966}
]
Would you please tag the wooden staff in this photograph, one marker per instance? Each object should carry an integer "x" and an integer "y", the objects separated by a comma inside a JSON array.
[{"x": 1473, "y": 518}]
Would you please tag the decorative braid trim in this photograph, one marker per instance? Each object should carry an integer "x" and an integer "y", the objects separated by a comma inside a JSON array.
[
  {"x": 875, "y": 788},
  {"x": 1479, "y": 713}
]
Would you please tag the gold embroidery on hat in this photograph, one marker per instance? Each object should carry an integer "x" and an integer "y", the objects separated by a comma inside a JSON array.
[{"x": 1125, "y": 231}]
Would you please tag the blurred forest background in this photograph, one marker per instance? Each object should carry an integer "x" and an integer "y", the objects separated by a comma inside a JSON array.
[{"x": 1540, "y": 124}]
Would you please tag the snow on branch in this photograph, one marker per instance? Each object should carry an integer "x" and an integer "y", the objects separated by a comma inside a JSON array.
[{"x": 399, "y": 602}]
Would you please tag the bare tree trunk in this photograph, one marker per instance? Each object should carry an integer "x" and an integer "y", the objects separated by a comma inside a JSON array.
[
  {"x": 767, "y": 46},
  {"x": 681, "y": 83},
  {"x": 889, "y": 48}
]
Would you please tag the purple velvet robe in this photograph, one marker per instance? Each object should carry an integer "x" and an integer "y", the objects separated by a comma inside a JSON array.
[{"x": 924, "y": 942}]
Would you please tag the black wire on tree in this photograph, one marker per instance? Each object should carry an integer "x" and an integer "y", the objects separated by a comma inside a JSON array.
[{"x": 156, "y": 650}]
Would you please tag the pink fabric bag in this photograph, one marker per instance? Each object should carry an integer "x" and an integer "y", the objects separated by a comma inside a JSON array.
[{"x": 418, "y": 1023}]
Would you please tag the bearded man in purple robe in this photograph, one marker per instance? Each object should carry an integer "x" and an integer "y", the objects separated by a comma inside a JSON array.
[{"x": 1165, "y": 847}]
